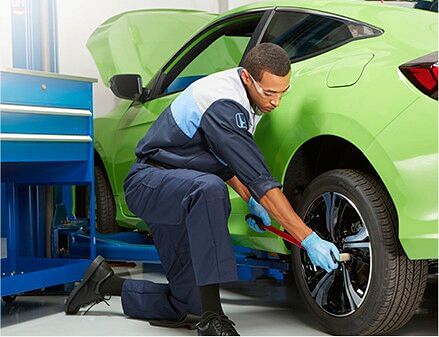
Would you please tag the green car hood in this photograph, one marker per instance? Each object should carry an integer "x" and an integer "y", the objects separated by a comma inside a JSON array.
[{"x": 141, "y": 42}]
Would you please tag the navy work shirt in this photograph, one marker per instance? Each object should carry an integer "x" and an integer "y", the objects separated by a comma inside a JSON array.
[{"x": 209, "y": 128}]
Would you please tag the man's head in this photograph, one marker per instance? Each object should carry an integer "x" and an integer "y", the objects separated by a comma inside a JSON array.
[{"x": 266, "y": 75}]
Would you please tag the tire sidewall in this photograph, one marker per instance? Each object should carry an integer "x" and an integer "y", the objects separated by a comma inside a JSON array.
[{"x": 105, "y": 207}]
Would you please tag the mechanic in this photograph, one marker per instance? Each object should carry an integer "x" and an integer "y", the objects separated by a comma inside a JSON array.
[{"x": 203, "y": 139}]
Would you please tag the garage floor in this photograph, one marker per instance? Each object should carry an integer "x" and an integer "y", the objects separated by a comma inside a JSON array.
[{"x": 262, "y": 307}]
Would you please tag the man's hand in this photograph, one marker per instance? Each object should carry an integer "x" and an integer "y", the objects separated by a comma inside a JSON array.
[
  {"x": 256, "y": 209},
  {"x": 320, "y": 251}
]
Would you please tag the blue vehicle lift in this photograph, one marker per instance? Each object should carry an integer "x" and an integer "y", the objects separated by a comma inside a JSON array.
[
  {"x": 136, "y": 246},
  {"x": 73, "y": 239}
]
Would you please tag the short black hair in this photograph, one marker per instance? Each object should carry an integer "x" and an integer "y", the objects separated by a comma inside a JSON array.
[{"x": 267, "y": 57}]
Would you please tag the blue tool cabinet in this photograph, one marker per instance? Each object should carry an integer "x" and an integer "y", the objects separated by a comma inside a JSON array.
[{"x": 46, "y": 140}]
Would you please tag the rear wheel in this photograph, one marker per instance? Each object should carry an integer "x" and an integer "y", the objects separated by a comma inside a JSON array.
[{"x": 379, "y": 289}]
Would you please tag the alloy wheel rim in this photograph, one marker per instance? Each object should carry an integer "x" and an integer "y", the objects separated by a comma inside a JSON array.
[{"x": 335, "y": 218}]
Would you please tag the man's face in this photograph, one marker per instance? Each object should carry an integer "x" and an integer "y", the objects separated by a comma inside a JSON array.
[{"x": 267, "y": 93}]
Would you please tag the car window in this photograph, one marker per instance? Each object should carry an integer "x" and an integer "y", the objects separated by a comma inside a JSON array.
[
  {"x": 224, "y": 50},
  {"x": 304, "y": 35},
  {"x": 224, "y": 53}
]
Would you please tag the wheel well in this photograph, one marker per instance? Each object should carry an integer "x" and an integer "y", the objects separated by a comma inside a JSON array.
[
  {"x": 320, "y": 155},
  {"x": 99, "y": 162},
  {"x": 82, "y": 191},
  {"x": 97, "y": 159}
]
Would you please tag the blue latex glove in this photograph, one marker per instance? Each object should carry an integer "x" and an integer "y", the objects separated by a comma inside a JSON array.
[
  {"x": 319, "y": 252},
  {"x": 256, "y": 209}
]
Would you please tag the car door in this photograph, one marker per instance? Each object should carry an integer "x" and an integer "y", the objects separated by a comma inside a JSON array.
[{"x": 219, "y": 47}]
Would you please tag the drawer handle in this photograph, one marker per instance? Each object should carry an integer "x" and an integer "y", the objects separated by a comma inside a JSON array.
[
  {"x": 43, "y": 110},
  {"x": 20, "y": 137}
]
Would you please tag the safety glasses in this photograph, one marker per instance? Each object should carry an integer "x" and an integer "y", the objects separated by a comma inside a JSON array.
[{"x": 268, "y": 93}]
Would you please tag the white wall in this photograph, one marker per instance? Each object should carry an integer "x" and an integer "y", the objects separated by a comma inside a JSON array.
[
  {"x": 237, "y": 3},
  {"x": 77, "y": 19},
  {"x": 5, "y": 34}
]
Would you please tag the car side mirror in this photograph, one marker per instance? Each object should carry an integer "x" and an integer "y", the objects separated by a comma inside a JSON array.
[{"x": 127, "y": 86}]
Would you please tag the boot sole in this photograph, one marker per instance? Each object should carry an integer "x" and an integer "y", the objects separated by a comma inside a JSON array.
[
  {"x": 88, "y": 273},
  {"x": 189, "y": 321}
]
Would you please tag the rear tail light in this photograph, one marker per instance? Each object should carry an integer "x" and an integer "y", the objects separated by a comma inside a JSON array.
[{"x": 422, "y": 72}]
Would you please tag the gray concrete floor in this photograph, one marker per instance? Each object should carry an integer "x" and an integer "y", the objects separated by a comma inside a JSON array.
[{"x": 261, "y": 307}]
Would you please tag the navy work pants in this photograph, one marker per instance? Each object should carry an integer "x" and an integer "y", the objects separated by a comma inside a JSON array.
[{"x": 186, "y": 212}]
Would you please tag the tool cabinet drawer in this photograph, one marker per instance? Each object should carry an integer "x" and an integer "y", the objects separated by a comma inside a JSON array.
[
  {"x": 45, "y": 117},
  {"x": 16, "y": 148},
  {"x": 44, "y": 120},
  {"x": 43, "y": 89}
]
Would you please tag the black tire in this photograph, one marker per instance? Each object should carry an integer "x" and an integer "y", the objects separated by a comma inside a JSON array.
[
  {"x": 104, "y": 203},
  {"x": 395, "y": 284},
  {"x": 8, "y": 299},
  {"x": 105, "y": 206}
]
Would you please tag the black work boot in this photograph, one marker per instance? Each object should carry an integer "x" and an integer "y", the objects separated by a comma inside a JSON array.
[
  {"x": 188, "y": 321},
  {"x": 214, "y": 324},
  {"x": 87, "y": 292}
]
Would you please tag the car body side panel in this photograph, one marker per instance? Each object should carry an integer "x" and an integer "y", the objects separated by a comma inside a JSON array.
[
  {"x": 311, "y": 108},
  {"x": 405, "y": 154},
  {"x": 104, "y": 127}
]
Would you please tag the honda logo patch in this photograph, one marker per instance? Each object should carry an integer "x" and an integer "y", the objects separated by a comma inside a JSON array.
[{"x": 241, "y": 121}]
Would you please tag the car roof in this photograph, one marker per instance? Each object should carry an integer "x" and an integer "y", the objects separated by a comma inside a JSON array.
[
  {"x": 398, "y": 23},
  {"x": 371, "y": 12}
]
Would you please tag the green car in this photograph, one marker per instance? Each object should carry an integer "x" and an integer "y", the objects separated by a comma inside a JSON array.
[{"x": 354, "y": 142}]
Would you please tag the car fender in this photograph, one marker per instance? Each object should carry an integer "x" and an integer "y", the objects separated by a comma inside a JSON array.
[{"x": 405, "y": 155}]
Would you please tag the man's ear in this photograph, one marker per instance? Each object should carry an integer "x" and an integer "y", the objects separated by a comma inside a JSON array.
[{"x": 245, "y": 77}]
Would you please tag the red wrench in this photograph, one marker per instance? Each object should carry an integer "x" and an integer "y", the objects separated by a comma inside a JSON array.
[
  {"x": 342, "y": 258},
  {"x": 274, "y": 230}
]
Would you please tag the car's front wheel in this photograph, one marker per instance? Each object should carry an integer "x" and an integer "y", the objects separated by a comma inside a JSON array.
[
  {"x": 105, "y": 209},
  {"x": 379, "y": 289}
]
